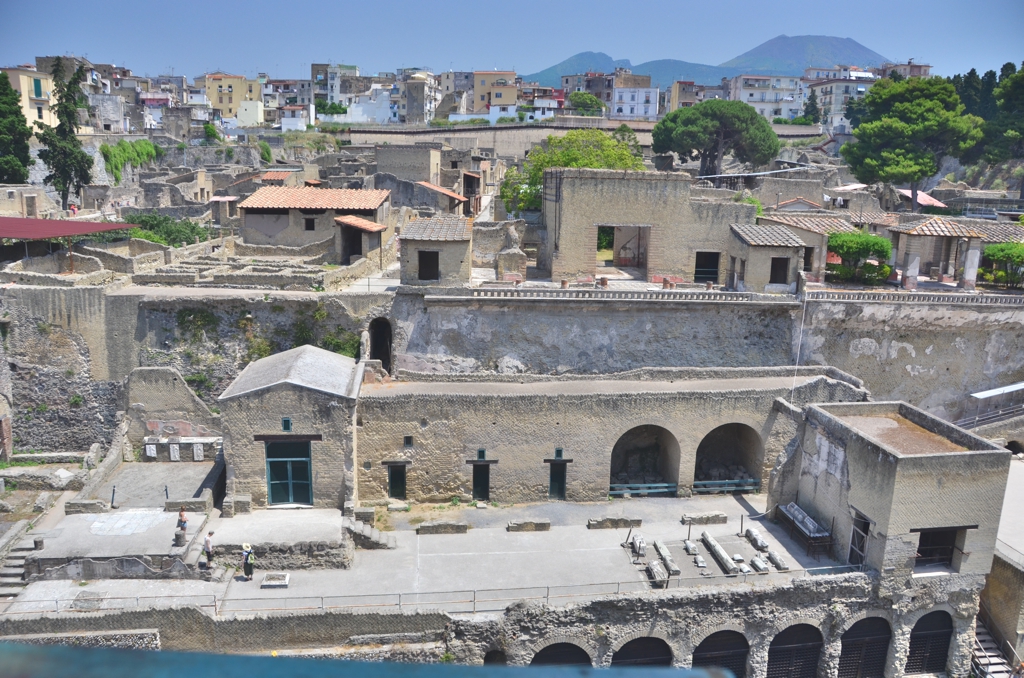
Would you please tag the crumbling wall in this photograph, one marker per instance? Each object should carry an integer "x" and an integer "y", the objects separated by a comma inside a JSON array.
[
  {"x": 158, "y": 402},
  {"x": 489, "y": 239}
]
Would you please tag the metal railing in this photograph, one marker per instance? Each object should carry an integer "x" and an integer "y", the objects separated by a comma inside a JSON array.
[
  {"x": 918, "y": 297},
  {"x": 625, "y": 295},
  {"x": 990, "y": 417},
  {"x": 467, "y": 601}
]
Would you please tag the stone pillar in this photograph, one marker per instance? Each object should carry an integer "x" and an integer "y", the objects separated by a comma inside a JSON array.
[
  {"x": 828, "y": 664},
  {"x": 896, "y": 257},
  {"x": 757, "y": 658},
  {"x": 971, "y": 261},
  {"x": 911, "y": 262},
  {"x": 950, "y": 263},
  {"x": 961, "y": 647}
]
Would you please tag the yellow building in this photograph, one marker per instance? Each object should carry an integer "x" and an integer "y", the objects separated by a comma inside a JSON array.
[
  {"x": 496, "y": 88},
  {"x": 36, "y": 91},
  {"x": 683, "y": 94},
  {"x": 225, "y": 91}
]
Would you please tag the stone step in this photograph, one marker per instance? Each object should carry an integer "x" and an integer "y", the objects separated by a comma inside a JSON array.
[
  {"x": 12, "y": 571},
  {"x": 9, "y": 582},
  {"x": 14, "y": 561}
]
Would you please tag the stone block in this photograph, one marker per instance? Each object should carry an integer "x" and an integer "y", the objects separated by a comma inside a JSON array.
[
  {"x": 202, "y": 504},
  {"x": 348, "y": 509},
  {"x": 86, "y": 506},
  {"x": 608, "y": 523},
  {"x": 43, "y": 502},
  {"x": 705, "y": 518},
  {"x": 442, "y": 527},
  {"x": 528, "y": 526},
  {"x": 365, "y": 515}
]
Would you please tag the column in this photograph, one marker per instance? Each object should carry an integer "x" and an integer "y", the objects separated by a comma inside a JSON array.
[
  {"x": 971, "y": 262},
  {"x": 897, "y": 256},
  {"x": 911, "y": 262}
]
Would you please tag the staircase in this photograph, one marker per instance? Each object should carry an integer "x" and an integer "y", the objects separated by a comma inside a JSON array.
[
  {"x": 12, "y": 570},
  {"x": 986, "y": 659},
  {"x": 366, "y": 536}
]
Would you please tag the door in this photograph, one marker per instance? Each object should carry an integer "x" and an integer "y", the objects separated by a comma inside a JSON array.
[
  {"x": 396, "y": 481},
  {"x": 288, "y": 474},
  {"x": 482, "y": 482},
  {"x": 556, "y": 489}
]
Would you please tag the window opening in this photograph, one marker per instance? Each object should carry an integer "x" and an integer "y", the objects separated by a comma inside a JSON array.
[{"x": 286, "y": 424}]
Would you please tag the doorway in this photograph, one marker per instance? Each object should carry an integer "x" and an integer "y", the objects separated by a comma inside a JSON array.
[
  {"x": 353, "y": 241},
  {"x": 482, "y": 482},
  {"x": 380, "y": 342},
  {"x": 706, "y": 267},
  {"x": 929, "y": 643},
  {"x": 429, "y": 265},
  {"x": 780, "y": 271},
  {"x": 646, "y": 458},
  {"x": 556, "y": 486},
  {"x": 396, "y": 481},
  {"x": 288, "y": 474}
]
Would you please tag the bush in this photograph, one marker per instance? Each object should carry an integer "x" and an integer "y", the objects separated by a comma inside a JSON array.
[
  {"x": 229, "y": 153},
  {"x": 875, "y": 274},
  {"x": 182, "y": 146},
  {"x": 76, "y": 400},
  {"x": 854, "y": 248},
  {"x": 134, "y": 153},
  {"x": 840, "y": 272},
  {"x": 330, "y": 109},
  {"x": 1009, "y": 257},
  {"x": 345, "y": 343},
  {"x": 165, "y": 230},
  {"x": 505, "y": 119},
  {"x": 210, "y": 131},
  {"x": 265, "y": 153}
]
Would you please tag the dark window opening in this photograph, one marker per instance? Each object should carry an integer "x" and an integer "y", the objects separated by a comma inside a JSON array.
[
  {"x": 286, "y": 424},
  {"x": 865, "y": 648},
  {"x": 430, "y": 265},
  {"x": 859, "y": 538},
  {"x": 407, "y": 441},
  {"x": 310, "y": 224},
  {"x": 481, "y": 454},
  {"x": 808, "y": 259},
  {"x": 643, "y": 652},
  {"x": 556, "y": 486},
  {"x": 726, "y": 650},
  {"x": 706, "y": 267},
  {"x": 495, "y": 657},
  {"x": 780, "y": 271},
  {"x": 564, "y": 654},
  {"x": 380, "y": 342},
  {"x": 396, "y": 481},
  {"x": 935, "y": 547},
  {"x": 558, "y": 453},
  {"x": 794, "y": 653},
  {"x": 455, "y": 164}
]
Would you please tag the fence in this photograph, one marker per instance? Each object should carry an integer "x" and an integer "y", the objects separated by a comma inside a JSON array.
[
  {"x": 626, "y": 295},
  {"x": 454, "y": 602},
  {"x": 918, "y": 298}
]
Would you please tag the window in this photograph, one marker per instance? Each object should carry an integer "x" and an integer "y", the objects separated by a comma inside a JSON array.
[
  {"x": 481, "y": 454},
  {"x": 39, "y": 112},
  {"x": 37, "y": 85},
  {"x": 558, "y": 453},
  {"x": 483, "y": 98},
  {"x": 310, "y": 224},
  {"x": 483, "y": 83},
  {"x": 706, "y": 267},
  {"x": 632, "y": 97},
  {"x": 286, "y": 424},
  {"x": 859, "y": 538},
  {"x": 429, "y": 265},
  {"x": 407, "y": 441},
  {"x": 231, "y": 99},
  {"x": 231, "y": 88},
  {"x": 936, "y": 547},
  {"x": 497, "y": 95},
  {"x": 220, "y": 100},
  {"x": 779, "y": 271},
  {"x": 632, "y": 110}
]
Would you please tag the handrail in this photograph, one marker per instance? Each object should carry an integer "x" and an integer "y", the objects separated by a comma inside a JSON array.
[
  {"x": 917, "y": 297},
  {"x": 626, "y": 295}
]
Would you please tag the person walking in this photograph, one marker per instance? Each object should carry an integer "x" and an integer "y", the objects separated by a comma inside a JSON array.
[
  {"x": 248, "y": 561},
  {"x": 208, "y": 549}
]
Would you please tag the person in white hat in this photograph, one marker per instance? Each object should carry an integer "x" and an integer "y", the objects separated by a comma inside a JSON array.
[{"x": 248, "y": 561}]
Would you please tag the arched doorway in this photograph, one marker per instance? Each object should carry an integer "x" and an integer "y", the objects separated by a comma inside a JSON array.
[
  {"x": 645, "y": 455},
  {"x": 726, "y": 650},
  {"x": 794, "y": 653},
  {"x": 380, "y": 342},
  {"x": 495, "y": 657},
  {"x": 865, "y": 648},
  {"x": 729, "y": 452},
  {"x": 929, "y": 643},
  {"x": 562, "y": 654},
  {"x": 643, "y": 652}
]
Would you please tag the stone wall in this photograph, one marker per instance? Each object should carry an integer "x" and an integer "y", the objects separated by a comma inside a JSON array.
[
  {"x": 158, "y": 402},
  {"x": 489, "y": 239}
]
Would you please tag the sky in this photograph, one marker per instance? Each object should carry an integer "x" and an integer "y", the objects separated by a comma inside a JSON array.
[{"x": 282, "y": 38}]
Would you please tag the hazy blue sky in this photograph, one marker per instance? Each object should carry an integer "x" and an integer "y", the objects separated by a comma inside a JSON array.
[{"x": 282, "y": 37}]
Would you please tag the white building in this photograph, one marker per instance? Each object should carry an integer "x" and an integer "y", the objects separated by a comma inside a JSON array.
[
  {"x": 833, "y": 95},
  {"x": 374, "y": 107},
  {"x": 492, "y": 114},
  {"x": 772, "y": 96},
  {"x": 634, "y": 103},
  {"x": 250, "y": 114},
  {"x": 295, "y": 117}
]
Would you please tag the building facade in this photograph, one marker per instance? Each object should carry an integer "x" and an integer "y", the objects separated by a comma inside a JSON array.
[
  {"x": 772, "y": 96},
  {"x": 494, "y": 88},
  {"x": 34, "y": 89}
]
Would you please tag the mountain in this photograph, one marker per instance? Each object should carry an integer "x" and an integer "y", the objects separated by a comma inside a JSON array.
[
  {"x": 791, "y": 55},
  {"x": 783, "y": 55}
]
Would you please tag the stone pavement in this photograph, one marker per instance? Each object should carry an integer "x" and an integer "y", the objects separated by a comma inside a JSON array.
[
  {"x": 142, "y": 484},
  {"x": 125, "y": 532}
]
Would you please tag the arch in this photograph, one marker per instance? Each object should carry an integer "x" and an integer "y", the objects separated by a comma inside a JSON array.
[
  {"x": 643, "y": 651},
  {"x": 724, "y": 649},
  {"x": 561, "y": 654},
  {"x": 929, "y": 643},
  {"x": 729, "y": 452},
  {"x": 1015, "y": 446},
  {"x": 380, "y": 342},
  {"x": 496, "y": 657},
  {"x": 645, "y": 454},
  {"x": 794, "y": 653},
  {"x": 865, "y": 647}
]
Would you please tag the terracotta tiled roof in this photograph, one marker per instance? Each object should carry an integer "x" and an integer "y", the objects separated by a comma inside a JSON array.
[
  {"x": 922, "y": 198},
  {"x": 447, "y": 228},
  {"x": 937, "y": 226},
  {"x": 277, "y": 176},
  {"x": 766, "y": 235},
  {"x": 874, "y": 217},
  {"x": 796, "y": 200},
  {"x": 360, "y": 223},
  {"x": 823, "y": 225},
  {"x": 308, "y": 198},
  {"x": 1000, "y": 231},
  {"x": 439, "y": 189}
]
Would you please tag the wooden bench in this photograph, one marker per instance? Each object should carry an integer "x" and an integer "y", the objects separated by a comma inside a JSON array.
[
  {"x": 710, "y": 486},
  {"x": 643, "y": 488}
]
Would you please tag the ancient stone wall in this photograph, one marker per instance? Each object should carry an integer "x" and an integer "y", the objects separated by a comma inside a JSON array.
[{"x": 158, "y": 402}]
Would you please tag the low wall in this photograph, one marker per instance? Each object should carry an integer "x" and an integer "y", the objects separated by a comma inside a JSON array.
[
  {"x": 85, "y": 501},
  {"x": 143, "y": 639},
  {"x": 311, "y": 250}
]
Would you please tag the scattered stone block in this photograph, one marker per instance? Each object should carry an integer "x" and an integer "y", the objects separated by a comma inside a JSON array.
[
  {"x": 755, "y": 539},
  {"x": 179, "y": 537},
  {"x": 5, "y": 507},
  {"x": 778, "y": 561},
  {"x": 657, "y": 573},
  {"x": 719, "y": 553},
  {"x": 365, "y": 514},
  {"x": 348, "y": 509},
  {"x": 607, "y": 523},
  {"x": 666, "y": 557},
  {"x": 758, "y": 564},
  {"x": 442, "y": 527},
  {"x": 85, "y": 506},
  {"x": 528, "y": 526},
  {"x": 705, "y": 518},
  {"x": 691, "y": 548},
  {"x": 700, "y": 562},
  {"x": 398, "y": 506},
  {"x": 745, "y": 569},
  {"x": 43, "y": 502},
  {"x": 275, "y": 580}
]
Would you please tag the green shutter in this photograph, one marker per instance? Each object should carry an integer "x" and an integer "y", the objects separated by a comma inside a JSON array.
[{"x": 39, "y": 87}]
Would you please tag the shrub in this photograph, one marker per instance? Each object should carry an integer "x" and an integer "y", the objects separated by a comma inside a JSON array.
[
  {"x": 345, "y": 343},
  {"x": 197, "y": 323},
  {"x": 199, "y": 381},
  {"x": 840, "y": 272},
  {"x": 134, "y": 153},
  {"x": 1009, "y": 257},
  {"x": 265, "y": 153},
  {"x": 853, "y": 248},
  {"x": 875, "y": 274},
  {"x": 210, "y": 132},
  {"x": 182, "y": 146},
  {"x": 229, "y": 153},
  {"x": 302, "y": 334},
  {"x": 76, "y": 400},
  {"x": 168, "y": 230},
  {"x": 505, "y": 119}
]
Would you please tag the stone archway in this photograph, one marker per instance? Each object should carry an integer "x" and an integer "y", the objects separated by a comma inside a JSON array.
[
  {"x": 794, "y": 652},
  {"x": 562, "y": 654},
  {"x": 724, "y": 649},
  {"x": 1015, "y": 446},
  {"x": 730, "y": 452},
  {"x": 865, "y": 649},
  {"x": 380, "y": 342},
  {"x": 643, "y": 651},
  {"x": 929, "y": 643},
  {"x": 645, "y": 455},
  {"x": 496, "y": 657}
]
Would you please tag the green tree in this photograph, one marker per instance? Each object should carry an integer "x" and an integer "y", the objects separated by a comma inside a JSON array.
[
  {"x": 713, "y": 128},
  {"x": 970, "y": 92},
  {"x": 625, "y": 134},
  {"x": 896, "y": 76},
  {"x": 1008, "y": 69},
  {"x": 1004, "y": 134},
  {"x": 855, "y": 110},
  {"x": 585, "y": 103},
  {"x": 70, "y": 167},
  {"x": 14, "y": 136},
  {"x": 578, "y": 148},
  {"x": 1010, "y": 257},
  {"x": 906, "y": 130},
  {"x": 987, "y": 108},
  {"x": 811, "y": 109},
  {"x": 853, "y": 248}
]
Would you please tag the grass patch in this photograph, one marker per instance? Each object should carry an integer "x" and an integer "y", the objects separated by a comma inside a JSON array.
[
  {"x": 605, "y": 255},
  {"x": 76, "y": 400},
  {"x": 416, "y": 520},
  {"x": 10, "y": 484}
]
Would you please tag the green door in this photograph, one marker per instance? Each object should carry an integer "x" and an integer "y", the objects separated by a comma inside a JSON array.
[
  {"x": 288, "y": 474},
  {"x": 482, "y": 482},
  {"x": 556, "y": 489},
  {"x": 396, "y": 481}
]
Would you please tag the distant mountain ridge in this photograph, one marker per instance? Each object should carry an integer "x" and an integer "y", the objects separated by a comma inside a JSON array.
[{"x": 782, "y": 55}]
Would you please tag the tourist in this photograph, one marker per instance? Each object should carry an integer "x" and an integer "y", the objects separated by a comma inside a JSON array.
[
  {"x": 248, "y": 561},
  {"x": 208, "y": 549},
  {"x": 182, "y": 520}
]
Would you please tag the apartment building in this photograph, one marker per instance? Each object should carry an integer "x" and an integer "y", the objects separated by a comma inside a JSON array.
[
  {"x": 34, "y": 89},
  {"x": 682, "y": 94},
  {"x": 226, "y": 91},
  {"x": 772, "y": 96},
  {"x": 634, "y": 103},
  {"x": 497, "y": 88},
  {"x": 833, "y": 95}
]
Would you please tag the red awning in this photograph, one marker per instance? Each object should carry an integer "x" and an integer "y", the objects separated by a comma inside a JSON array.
[{"x": 18, "y": 228}]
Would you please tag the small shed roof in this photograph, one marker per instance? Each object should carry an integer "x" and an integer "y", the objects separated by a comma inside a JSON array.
[
  {"x": 307, "y": 197},
  {"x": 874, "y": 217},
  {"x": 821, "y": 225},
  {"x": 448, "y": 228},
  {"x": 277, "y": 175},
  {"x": 766, "y": 235},
  {"x": 797, "y": 201},
  {"x": 441, "y": 189},
  {"x": 306, "y": 366},
  {"x": 360, "y": 223},
  {"x": 922, "y": 198},
  {"x": 938, "y": 227},
  {"x": 19, "y": 228}
]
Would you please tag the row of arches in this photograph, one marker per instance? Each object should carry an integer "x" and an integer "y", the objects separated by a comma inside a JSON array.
[{"x": 794, "y": 653}]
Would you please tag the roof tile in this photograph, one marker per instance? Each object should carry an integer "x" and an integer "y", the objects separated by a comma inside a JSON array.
[
  {"x": 360, "y": 223},
  {"x": 766, "y": 235},
  {"x": 308, "y": 198},
  {"x": 447, "y": 228},
  {"x": 822, "y": 225},
  {"x": 937, "y": 226},
  {"x": 441, "y": 189}
]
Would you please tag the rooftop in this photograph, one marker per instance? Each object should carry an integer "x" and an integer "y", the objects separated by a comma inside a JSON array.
[
  {"x": 306, "y": 366},
  {"x": 937, "y": 226},
  {"x": 277, "y": 175},
  {"x": 901, "y": 434},
  {"x": 360, "y": 223},
  {"x": 441, "y": 189},
  {"x": 445, "y": 228},
  {"x": 767, "y": 235},
  {"x": 798, "y": 200},
  {"x": 305, "y": 197},
  {"x": 822, "y": 225}
]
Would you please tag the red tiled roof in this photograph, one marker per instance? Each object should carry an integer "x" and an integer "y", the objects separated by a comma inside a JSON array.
[
  {"x": 37, "y": 229},
  {"x": 796, "y": 200},
  {"x": 360, "y": 223},
  {"x": 937, "y": 226},
  {"x": 874, "y": 217},
  {"x": 439, "y": 189},
  {"x": 922, "y": 198},
  {"x": 308, "y": 198},
  {"x": 277, "y": 176},
  {"x": 821, "y": 225}
]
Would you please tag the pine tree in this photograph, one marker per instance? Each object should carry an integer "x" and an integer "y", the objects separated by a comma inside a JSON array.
[
  {"x": 1008, "y": 69},
  {"x": 14, "y": 136},
  {"x": 987, "y": 108},
  {"x": 70, "y": 167},
  {"x": 811, "y": 109},
  {"x": 970, "y": 92}
]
